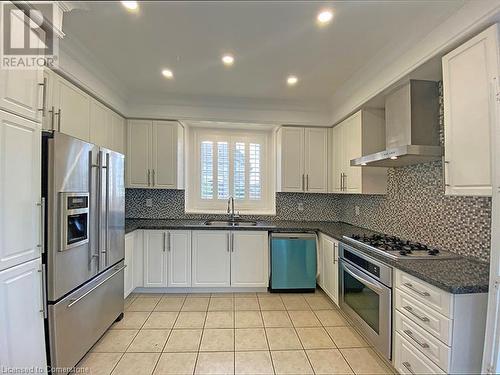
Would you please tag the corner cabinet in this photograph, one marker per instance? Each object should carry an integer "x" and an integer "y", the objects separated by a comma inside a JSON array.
[
  {"x": 329, "y": 267},
  {"x": 155, "y": 154},
  {"x": 471, "y": 91},
  {"x": 361, "y": 134},
  {"x": 303, "y": 160}
]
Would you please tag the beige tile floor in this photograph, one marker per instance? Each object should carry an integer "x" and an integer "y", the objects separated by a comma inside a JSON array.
[{"x": 226, "y": 333}]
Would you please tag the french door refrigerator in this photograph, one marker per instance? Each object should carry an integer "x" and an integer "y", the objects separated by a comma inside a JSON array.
[{"x": 84, "y": 220}]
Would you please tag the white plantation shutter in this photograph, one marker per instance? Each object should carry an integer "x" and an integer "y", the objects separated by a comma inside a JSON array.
[{"x": 231, "y": 164}]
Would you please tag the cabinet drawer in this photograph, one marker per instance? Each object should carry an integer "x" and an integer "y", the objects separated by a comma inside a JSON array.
[
  {"x": 433, "y": 322},
  {"x": 431, "y": 296},
  {"x": 408, "y": 360},
  {"x": 427, "y": 344}
]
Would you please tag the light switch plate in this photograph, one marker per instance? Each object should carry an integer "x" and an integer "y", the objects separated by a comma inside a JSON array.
[
  {"x": 149, "y": 202},
  {"x": 300, "y": 206},
  {"x": 356, "y": 210}
]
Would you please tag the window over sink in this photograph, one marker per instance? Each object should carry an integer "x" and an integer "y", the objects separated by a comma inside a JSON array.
[{"x": 230, "y": 163}]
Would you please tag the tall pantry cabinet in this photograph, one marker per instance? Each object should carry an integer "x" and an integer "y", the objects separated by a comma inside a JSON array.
[{"x": 22, "y": 341}]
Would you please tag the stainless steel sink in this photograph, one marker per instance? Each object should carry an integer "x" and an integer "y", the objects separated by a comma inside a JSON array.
[{"x": 228, "y": 223}]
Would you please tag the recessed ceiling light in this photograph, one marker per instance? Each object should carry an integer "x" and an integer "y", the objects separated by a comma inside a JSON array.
[
  {"x": 228, "y": 59},
  {"x": 325, "y": 16},
  {"x": 292, "y": 80},
  {"x": 363, "y": 164},
  {"x": 167, "y": 73},
  {"x": 394, "y": 157},
  {"x": 130, "y": 5}
]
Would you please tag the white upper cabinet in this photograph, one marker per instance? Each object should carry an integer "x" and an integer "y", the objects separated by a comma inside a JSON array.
[
  {"x": 20, "y": 189},
  {"x": 470, "y": 84},
  {"x": 303, "y": 160},
  {"x": 101, "y": 131},
  {"x": 118, "y": 130},
  {"x": 249, "y": 259},
  {"x": 155, "y": 154},
  {"x": 21, "y": 92},
  {"x": 71, "y": 110},
  {"x": 361, "y": 134},
  {"x": 22, "y": 342}
]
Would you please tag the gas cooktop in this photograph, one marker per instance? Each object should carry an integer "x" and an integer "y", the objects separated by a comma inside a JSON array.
[{"x": 396, "y": 248}]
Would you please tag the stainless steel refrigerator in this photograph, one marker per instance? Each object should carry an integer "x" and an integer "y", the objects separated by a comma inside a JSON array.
[{"x": 84, "y": 220}]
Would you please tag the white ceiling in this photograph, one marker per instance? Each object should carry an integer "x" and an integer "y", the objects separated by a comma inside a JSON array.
[{"x": 268, "y": 39}]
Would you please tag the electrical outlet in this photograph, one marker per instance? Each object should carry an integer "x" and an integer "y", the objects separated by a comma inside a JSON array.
[
  {"x": 149, "y": 202},
  {"x": 300, "y": 206},
  {"x": 356, "y": 210}
]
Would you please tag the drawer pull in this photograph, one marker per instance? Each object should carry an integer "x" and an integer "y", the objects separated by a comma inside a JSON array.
[
  {"x": 411, "y": 287},
  {"x": 408, "y": 367},
  {"x": 410, "y": 335},
  {"x": 410, "y": 310}
]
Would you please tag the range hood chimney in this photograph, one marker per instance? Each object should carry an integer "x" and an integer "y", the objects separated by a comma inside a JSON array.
[{"x": 411, "y": 127}]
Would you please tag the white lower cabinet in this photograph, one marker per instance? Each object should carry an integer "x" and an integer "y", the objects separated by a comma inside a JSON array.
[
  {"x": 329, "y": 267},
  {"x": 129, "y": 284},
  {"x": 22, "y": 340},
  {"x": 436, "y": 332},
  {"x": 167, "y": 258},
  {"x": 179, "y": 258},
  {"x": 249, "y": 259},
  {"x": 211, "y": 258}
]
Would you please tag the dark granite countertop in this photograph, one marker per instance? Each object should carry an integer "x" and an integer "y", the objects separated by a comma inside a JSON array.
[{"x": 458, "y": 276}]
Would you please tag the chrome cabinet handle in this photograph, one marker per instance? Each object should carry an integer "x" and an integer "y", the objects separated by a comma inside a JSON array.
[
  {"x": 58, "y": 114},
  {"x": 335, "y": 247},
  {"x": 341, "y": 180},
  {"x": 41, "y": 245},
  {"x": 43, "y": 309},
  {"x": 76, "y": 300},
  {"x": 228, "y": 243},
  {"x": 410, "y": 335},
  {"x": 153, "y": 179},
  {"x": 52, "y": 114},
  {"x": 232, "y": 242},
  {"x": 307, "y": 182},
  {"x": 303, "y": 183},
  {"x": 411, "y": 287},
  {"x": 44, "y": 96},
  {"x": 149, "y": 177},
  {"x": 408, "y": 367},
  {"x": 410, "y": 310},
  {"x": 445, "y": 175},
  {"x": 169, "y": 244},
  {"x": 164, "y": 241}
]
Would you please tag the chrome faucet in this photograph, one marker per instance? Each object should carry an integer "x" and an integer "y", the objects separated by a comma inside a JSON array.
[{"x": 230, "y": 209}]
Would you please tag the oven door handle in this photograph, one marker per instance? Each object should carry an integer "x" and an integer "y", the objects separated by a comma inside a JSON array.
[{"x": 361, "y": 278}]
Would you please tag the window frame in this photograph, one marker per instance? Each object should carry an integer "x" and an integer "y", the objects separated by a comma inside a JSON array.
[{"x": 193, "y": 202}]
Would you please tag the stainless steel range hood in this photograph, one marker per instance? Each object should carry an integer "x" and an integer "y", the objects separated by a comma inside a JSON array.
[{"x": 411, "y": 127}]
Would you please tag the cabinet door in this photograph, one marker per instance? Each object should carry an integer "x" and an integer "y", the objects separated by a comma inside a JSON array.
[
  {"x": 316, "y": 160},
  {"x": 22, "y": 342},
  {"x": 118, "y": 133},
  {"x": 330, "y": 267},
  {"x": 292, "y": 159},
  {"x": 20, "y": 189},
  {"x": 468, "y": 75},
  {"x": 179, "y": 258},
  {"x": 129, "y": 263},
  {"x": 336, "y": 153},
  {"x": 20, "y": 92},
  {"x": 351, "y": 142},
  {"x": 138, "y": 154},
  {"x": 155, "y": 259},
  {"x": 72, "y": 108},
  {"x": 100, "y": 125},
  {"x": 249, "y": 259},
  {"x": 164, "y": 154},
  {"x": 211, "y": 258}
]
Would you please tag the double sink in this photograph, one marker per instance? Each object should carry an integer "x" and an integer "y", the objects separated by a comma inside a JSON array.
[{"x": 230, "y": 223}]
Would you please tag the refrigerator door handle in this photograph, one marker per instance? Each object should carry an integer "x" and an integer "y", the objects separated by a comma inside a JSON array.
[
  {"x": 106, "y": 213},
  {"x": 94, "y": 253}
]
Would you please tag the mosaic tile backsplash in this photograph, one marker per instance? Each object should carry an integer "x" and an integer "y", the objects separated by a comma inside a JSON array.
[
  {"x": 169, "y": 204},
  {"x": 414, "y": 208}
]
